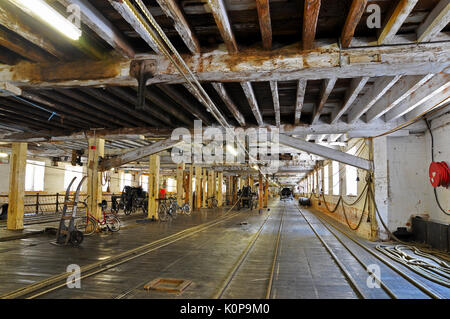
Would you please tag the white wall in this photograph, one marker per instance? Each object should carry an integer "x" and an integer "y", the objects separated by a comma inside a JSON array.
[{"x": 4, "y": 176}]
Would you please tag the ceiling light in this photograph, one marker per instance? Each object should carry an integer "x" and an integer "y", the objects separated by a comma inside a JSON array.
[{"x": 52, "y": 17}]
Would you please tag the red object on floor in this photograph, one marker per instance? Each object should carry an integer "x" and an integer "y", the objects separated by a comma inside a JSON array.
[
  {"x": 439, "y": 174},
  {"x": 162, "y": 193}
]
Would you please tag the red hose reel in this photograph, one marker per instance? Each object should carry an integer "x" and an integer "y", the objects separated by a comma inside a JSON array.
[{"x": 439, "y": 173}]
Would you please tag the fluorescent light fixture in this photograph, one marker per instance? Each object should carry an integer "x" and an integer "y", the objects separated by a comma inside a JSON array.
[
  {"x": 45, "y": 12},
  {"x": 3, "y": 155},
  {"x": 232, "y": 150}
]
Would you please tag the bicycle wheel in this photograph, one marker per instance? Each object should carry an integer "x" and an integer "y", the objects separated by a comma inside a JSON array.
[
  {"x": 86, "y": 225},
  {"x": 162, "y": 212},
  {"x": 113, "y": 223},
  {"x": 187, "y": 209}
]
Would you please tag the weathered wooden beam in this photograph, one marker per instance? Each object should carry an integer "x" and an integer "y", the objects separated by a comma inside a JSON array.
[
  {"x": 129, "y": 15},
  {"x": 327, "y": 87},
  {"x": 354, "y": 16},
  {"x": 95, "y": 20},
  {"x": 223, "y": 23},
  {"x": 379, "y": 88},
  {"x": 14, "y": 43},
  {"x": 356, "y": 86},
  {"x": 437, "y": 101},
  {"x": 173, "y": 11},
  {"x": 265, "y": 24},
  {"x": 401, "y": 90},
  {"x": 250, "y": 95},
  {"x": 11, "y": 21},
  {"x": 219, "y": 66},
  {"x": 325, "y": 152},
  {"x": 96, "y": 150},
  {"x": 301, "y": 88},
  {"x": 16, "y": 195},
  {"x": 436, "y": 85},
  {"x": 276, "y": 101},
  {"x": 153, "y": 186},
  {"x": 310, "y": 18},
  {"x": 436, "y": 20},
  {"x": 220, "y": 89},
  {"x": 395, "y": 21},
  {"x": 139, "y": 153}
]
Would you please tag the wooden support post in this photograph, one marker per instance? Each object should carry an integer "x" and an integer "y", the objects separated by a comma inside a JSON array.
[
  {"x": 191, "y": 176},
  {"x": 153, "y": 186},
  {"x": 219, "y": 189},
  {"x": 17, "y": 168},
  {"x": 198, "y": 187},
  {"x": 250, "y": 182},
  {"x": 180, "y": 171},
  {"x": 204, "y": 194},
  {"x": 228, "y": 192},
  {"x": 234, "y": 188},
  {"x": 210, "y": 187},
  {"x": 94, "y": 180},
  {"x": 260, "y": 193},
  {"x": 266, "y": 193}
]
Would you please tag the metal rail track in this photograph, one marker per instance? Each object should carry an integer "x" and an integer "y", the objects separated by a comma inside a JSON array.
[
  {"x": 411, "y": 280},
  {"x": 58, "y": 281}
]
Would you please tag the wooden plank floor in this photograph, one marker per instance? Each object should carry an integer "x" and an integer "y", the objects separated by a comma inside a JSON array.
[{"x": 304, "y": 269}]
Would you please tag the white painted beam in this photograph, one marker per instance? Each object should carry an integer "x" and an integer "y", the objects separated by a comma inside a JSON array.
[
  {"x": 327, "y": 87},
  {"x": 435, "y": 102},
  {"x": 356, "y": 87},
  {"x": 276, "y": 101},
  {"x": 325, "y": 152},
  {"x": 301, "y": 88},
  {"x": 220, "y": 14},
  {"x": 437, "y": 84},
  {"x": 250, "y": 95},
  {"x": 379, "y": 88},
  {"x": 401, "y": 90},
  {"x": 436, "y": 20},
  {"x": 220, "y": 89}
]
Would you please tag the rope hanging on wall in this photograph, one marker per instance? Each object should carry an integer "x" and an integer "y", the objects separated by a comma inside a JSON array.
[{"x": 439, "y": 173}]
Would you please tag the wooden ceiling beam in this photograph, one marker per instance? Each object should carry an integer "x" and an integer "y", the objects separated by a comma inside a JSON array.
[
  {"x": 265, "y": 24},
  {"x": 327, "y": 87},
  {"x": 173, "y": 11},
  {"x": 310, "y": 18},
  {"x": 356, "y": 86},
  {"x": 219, "y": 66},
  {"x": 354, "y": 16},
  {"x": 301, "y": 88},
  {"x": 436, "y": 20},
  {"x": 397, "y": 93},
  {"x": 250, "y": 95},
  {"x": 91, "y": 17},
  {"x": 220, "y": 15},
  {"x": 378, "y": 89},
  {"x": 395, "y": 21},
  {"x": 437, "y": 84},
  {"x": 276, "y": 101},
  {"x": 220, "y": 89}
]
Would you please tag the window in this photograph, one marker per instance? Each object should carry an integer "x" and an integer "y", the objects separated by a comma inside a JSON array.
[
  {"x": 351, "y": 174},
  {"x": 143, "y": 181},
  {"x": 125, "y": 180},
  {"x": 71, "y": 172},
  {"x": 319, "y": 180},
  {"x": 335, "y": 167},
  {"x": 171, "y": 185},
  {"x": 325, "y": 180},
  {"x": 34, "y": 176}
]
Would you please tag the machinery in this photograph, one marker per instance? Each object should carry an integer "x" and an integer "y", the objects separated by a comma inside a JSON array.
[
  {"x": 131, "y": 199},
  {"x": 286, "y": 194},
  {"x": 247, "y": 198}
]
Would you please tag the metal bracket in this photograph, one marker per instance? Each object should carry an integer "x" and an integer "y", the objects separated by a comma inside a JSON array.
[{"x": 141, "y": 70}]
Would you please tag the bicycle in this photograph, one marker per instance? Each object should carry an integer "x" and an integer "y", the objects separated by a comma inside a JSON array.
[
  {"x": 164, "y": 211},
  {"x": 89, "y": 224},
  {"x": 185, "y": 208},
  {"x": 213, "y": 200}
]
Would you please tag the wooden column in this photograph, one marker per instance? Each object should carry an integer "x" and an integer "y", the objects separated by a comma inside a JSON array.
[
  {"x": 210, "y": 186},
  {"x": 16, "y": 196},
  {"x": 198, "y": 187},
  {"x": 191, "y": 176},
  {"x": 266, "y": 193},
  {"x": 228, "y": 190},
  {"x": 260, "y": 193},
  {"x": 250, "y": 182},
  {"x": 204, "y": 194},
  {"x": 153, "y": 187},
  {"x": 234, "y": 188},
  {"x": 180, "y": 171},
  {"x": 94, "y": 180},
  {"x": 219, "y": 189}
]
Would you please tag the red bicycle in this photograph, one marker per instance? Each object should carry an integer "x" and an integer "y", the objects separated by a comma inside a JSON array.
[{"x": 89, "y": 224}]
